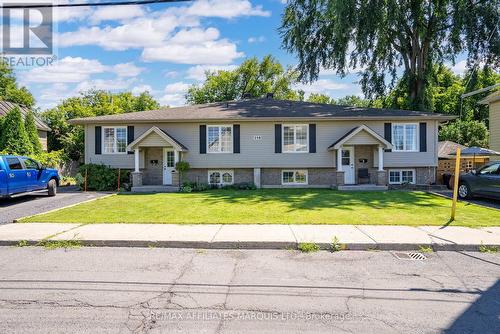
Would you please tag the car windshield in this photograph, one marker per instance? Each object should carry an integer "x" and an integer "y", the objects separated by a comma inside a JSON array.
[{"x": 492, "y": 169}]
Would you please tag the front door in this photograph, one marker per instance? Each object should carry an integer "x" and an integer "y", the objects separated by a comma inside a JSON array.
[
  {"x": 168, "y": 166},
  {"x": 348, "y": 164}
]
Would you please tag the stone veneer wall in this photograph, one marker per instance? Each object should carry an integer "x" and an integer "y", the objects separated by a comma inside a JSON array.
[
  {"x": 316, "y": 176},
  {"x": 200, "y": 175}
]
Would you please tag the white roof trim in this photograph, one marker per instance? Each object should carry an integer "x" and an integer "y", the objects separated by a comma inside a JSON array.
[
  {"x": 159, "y": 132},
  {"x": 360, "y": 128}
]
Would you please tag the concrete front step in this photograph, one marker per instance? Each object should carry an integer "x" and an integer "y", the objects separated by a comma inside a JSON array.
[
  {"x": 155, "y": 189},
  {"x": 362, "y": 187}
]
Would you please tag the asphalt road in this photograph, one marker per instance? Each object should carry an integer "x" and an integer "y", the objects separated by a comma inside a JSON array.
[
  {"x": 133, "y": 290},
  {"x": 14, "y": 208}
]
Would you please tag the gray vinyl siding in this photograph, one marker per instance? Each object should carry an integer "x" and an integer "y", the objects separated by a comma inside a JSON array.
[{"x": 260, "y": 153}]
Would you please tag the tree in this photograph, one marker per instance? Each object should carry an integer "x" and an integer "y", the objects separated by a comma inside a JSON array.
[
  {"x": 70, "y": 138},
  {"x": 14, "y": 138},
  {"x": 32, "y": 132},
  {"x": 382, "y": 36},
  {"x": 320, "y": 98},
  {"x": 251, "y": 77},
  {"x": 465, "y": 132},
  {"x": 9, "y": 89}
]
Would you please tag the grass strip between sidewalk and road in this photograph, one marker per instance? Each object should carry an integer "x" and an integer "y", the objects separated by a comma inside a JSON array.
[{"x": 275, "y": 206}]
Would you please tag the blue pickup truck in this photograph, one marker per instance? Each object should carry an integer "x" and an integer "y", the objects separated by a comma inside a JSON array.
[{"x": 20, "y": 175}]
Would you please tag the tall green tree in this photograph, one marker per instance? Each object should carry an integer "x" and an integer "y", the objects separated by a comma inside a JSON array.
[
  {"x": 32, "y": 132},
  {"x": 382, "y": 36},
  {"x": 70, "y": 138},
  {"x": 251, "y": 77},
  {"x": 10, "y": 90},
  {"x": 14, "y": 139}
]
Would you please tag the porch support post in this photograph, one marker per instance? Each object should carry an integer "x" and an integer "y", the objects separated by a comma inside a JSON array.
[
  {"x": 380, "y": 158},
  {"x": 339, "y": 159},
  {"x": 136, "y": 160}
]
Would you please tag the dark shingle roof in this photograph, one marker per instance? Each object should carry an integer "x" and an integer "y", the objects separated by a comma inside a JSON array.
[
  {"x": 260, "y": 109},
  {"x": 445, "y": 148},
  {"x": 6, "y": 106}
]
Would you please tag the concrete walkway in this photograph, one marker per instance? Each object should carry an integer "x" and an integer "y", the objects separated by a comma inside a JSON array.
[{"x": 359, "y": 237}]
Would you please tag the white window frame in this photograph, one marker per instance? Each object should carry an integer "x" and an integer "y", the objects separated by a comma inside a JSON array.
[
  {"x": 115, "y": 140},
  {"x": 294, "y": 138},
  {"x": 400, "y": 171},
  {"x": 220, "y": 126},
  {"x": 294, "y": 183},
  {"x": 221, "y": 171},
  {"x": 404, "y": 137}
]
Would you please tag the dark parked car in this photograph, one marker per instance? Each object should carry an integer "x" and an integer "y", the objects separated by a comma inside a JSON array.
[{"x": 483, "y": 182}]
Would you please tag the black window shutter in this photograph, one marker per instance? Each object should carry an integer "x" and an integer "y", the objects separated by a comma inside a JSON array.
[
  {"x": 130, "y": 136},
  {"x": 277, "y": 138},
  {"x": 312, "y": 138},
  {"x": 423, "y": 137},
  {"x": 98, "y": 139},
  {"x": 203, "y": 139},
  {"x": 388, "y": 133},
  {"x": 236, "y": 138}
]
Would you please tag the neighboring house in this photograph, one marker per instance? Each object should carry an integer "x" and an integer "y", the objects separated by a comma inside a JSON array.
[
  {"x": 493, "y": 101},
  {"x": 446, "y": 164},
  {"x": 42, "y": 128},
  {"x": 272, "y": 143}
]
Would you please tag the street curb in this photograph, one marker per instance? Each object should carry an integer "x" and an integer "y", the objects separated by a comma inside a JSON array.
[{"x": 256, "y": 245}]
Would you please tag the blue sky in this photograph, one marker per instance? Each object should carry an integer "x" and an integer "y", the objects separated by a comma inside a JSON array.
[{"x": 164, "y": 48}]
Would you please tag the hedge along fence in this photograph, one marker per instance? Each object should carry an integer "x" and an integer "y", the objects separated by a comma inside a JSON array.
[{"x": 102, "y": 178}]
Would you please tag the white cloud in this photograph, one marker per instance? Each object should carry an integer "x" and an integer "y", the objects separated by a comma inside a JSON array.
[
  {"x": 116, "y": 13},
  {"x": 141, "y": 89},
  {"x": 127, "y": 70},
  {"x": 195, "y": 35},
  {"x": 257, "y": 39},
  {"x": 68, "y": 69},
  {"x": 225, "y": 9},
  {"x": 322, "y": 86},
  {"x": 173, "y": 34},
  {"x": 210, "y": 52},
  {"x": 110, "y": 85},
  {"x": 177, "y": 88},
  {"x": 461, "y": 67},
  {"x": 171, "y": 74},
  {"x": 198, "y": 72},
  {"x": 175, "y": 94}
]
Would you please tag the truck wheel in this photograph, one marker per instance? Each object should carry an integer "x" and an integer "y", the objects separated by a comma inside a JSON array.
[
  {"x": 464, "y": 191},
  {"x": 52, "y": 187}
]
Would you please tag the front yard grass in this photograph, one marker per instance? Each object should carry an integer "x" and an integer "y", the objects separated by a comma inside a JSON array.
[{"x": 275, "y": 206}]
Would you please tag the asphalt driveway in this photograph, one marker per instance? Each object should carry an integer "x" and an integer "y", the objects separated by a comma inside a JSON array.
[
  {"x": 15, "y": 208},
  {"x": 487, "y": 202}
]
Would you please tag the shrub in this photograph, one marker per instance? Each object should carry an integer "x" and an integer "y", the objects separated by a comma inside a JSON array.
[
  {"x": 182, "y": 167},
  {"x": 14, "y": 139},
  {"x": 52, "y": 159},
  {"x": 188, "y": 187},
  {"x": 101, "y": 178},
  {"x": 308, "y": 247},
  {"x": 241, "y": 186},
  {"x": 32, "y": 132}
]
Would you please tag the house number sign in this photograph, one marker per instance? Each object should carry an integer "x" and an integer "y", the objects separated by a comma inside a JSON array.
[{"x": 257, "y": 137}]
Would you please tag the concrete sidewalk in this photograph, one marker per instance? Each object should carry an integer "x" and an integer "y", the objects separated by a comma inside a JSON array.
[{"x": 359, "y": 237}]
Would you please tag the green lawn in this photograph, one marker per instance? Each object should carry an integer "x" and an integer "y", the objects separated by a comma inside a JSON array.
[{"x": 275, "y": 206}]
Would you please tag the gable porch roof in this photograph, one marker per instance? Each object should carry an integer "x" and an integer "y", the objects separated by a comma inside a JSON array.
[
  {"x": 356, "y": 131},
  {"x": 169, "y": 140}
]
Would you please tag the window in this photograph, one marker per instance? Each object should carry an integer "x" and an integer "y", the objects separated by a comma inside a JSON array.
[
  {"x": 294, "y": 177},
  {"x": 220, "y": 177},
  {"x": 220, "y": 138},
  {"x": 115, "y": 140},
  {"x": 170, "y": 159},
  {"x": 295, "y": 138},
  {"x": 14, "y": 163},
  {"x": 401, "y": 176},
  {"x": 492, "y": 169},
  {"x": 404, "y": 137},
  {"x": 30, "y": 164}
]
